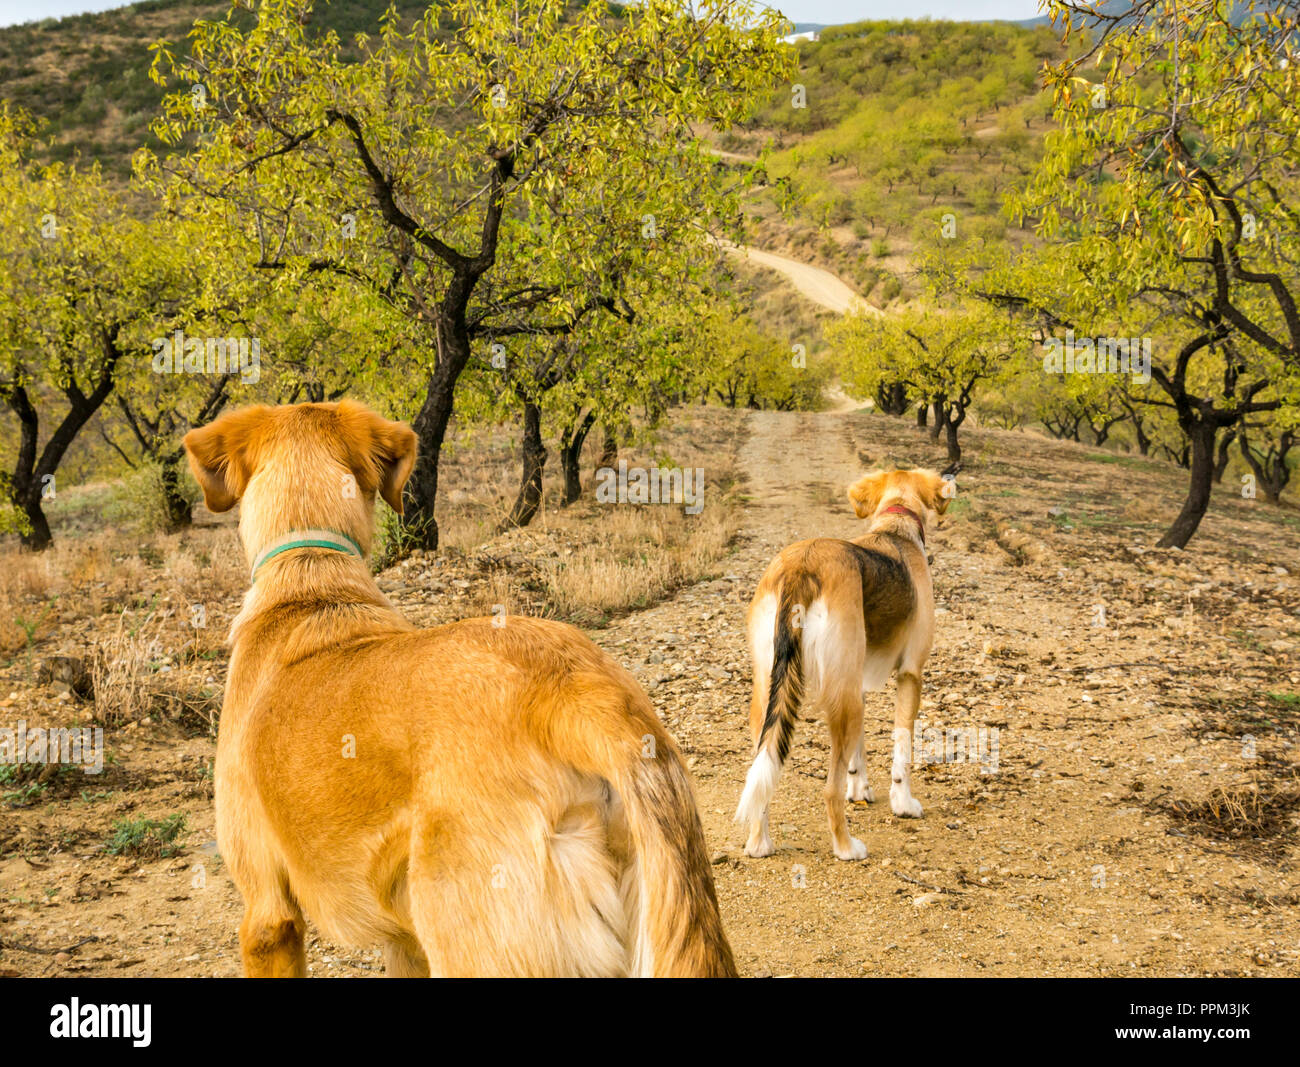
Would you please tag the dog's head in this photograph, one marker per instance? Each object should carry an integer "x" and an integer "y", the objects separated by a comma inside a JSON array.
[
  {"x": 923, "y": 491},
  {"x": 302, "y": 466}
]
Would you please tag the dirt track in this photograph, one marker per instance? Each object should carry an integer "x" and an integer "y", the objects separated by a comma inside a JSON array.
[
  {"x": 815, "y": 283},
  {"x": 1060, "y": 862},
  {"x": 1092, "y": 850}
]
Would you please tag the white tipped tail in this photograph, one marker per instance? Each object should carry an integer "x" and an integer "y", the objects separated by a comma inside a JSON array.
[{"x": 760, "y": 786}]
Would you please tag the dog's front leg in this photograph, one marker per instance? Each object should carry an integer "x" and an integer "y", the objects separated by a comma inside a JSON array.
[
  {"x": 907, "y": 699},
  {"x": 272, "y": 947}
]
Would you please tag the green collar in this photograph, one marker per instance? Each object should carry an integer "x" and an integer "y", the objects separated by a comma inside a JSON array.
[{"x": 314, "y": 538}]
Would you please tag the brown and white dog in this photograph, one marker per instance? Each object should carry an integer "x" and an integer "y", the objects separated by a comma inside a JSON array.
[
  {"x": 833, "y": 619},
  {"x": 488, "y": 797}
]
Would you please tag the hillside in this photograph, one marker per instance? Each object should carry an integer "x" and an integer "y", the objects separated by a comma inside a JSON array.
[
  {"x": 902, "y": 123},
  {"x": 87, "y": 77}
]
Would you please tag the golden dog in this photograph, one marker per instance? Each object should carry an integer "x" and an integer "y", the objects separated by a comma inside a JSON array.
[
  {"x": 489, "y": 797},
  {"x": 837, "y": 618}
]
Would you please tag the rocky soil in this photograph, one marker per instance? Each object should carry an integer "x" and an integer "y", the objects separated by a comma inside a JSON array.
[{"x": 1140, "y": 820}]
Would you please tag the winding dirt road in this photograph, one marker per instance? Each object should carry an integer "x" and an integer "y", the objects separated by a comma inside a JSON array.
[{"x": 816, "y": 283}]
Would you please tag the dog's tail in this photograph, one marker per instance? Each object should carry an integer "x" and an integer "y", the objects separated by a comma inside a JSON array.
[
  {"x": 785, "y": 694},
  {"x": 675, "y": 927}
]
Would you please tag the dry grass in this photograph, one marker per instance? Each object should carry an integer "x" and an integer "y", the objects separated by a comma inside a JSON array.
[
  {"x": 31, "y": 586},
  {"x": 1257, "y": 814},
  {"x": 136, "y": 675},
  {"x": 636, "y": 557},
  {"x": 588, "y": 562},
  {"x": 144, "y": 616},
  {"x": 120, "y": 662}
]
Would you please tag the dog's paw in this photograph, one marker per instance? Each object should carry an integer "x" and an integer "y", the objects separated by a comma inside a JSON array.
[
  {"x": 858, "y": 791},
  {"x": 760, "y": 848},
  {"x": 856, "y": 851},
  {"x": 904, "y": 805}
]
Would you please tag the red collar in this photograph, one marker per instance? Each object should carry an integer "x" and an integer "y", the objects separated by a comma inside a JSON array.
[{"x": 898, "y": 509}]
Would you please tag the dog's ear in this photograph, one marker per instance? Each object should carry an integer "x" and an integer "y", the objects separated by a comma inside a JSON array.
[
  {"x": 864, "y": 494},
  {"x": 395, "y": 447},
  {"x": 218, "y": 454},
  {"x": 935, "y": 490},
  {"x": 382, "y": 452}
]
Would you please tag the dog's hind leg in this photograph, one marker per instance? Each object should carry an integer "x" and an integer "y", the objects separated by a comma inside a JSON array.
[
  {"x": 858, "y": 791},
  {"x": 404, "y": 958},
  {"x": 505, "y": 892},
  {"x": 759, "y": 843},
  {"x": 271, "y": 935},
  {"x": 844, "y": 717},
  {"x": 271, "y": 940},
  {"x": 907, "y": 699}
]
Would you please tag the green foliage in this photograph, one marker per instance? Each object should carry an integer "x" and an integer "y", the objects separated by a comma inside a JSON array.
[
  {"x": 747, "y": 367},
  {"x": 148, "y": 838},
  {"x": 140, "y": 500},
  {"x": 941, "y": 353},
  {"x": 1171, "y": 206}
]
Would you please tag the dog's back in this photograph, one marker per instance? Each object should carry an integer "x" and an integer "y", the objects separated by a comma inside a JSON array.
[{"x": 503, "y": 792}]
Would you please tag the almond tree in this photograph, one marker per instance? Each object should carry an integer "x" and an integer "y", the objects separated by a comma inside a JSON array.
[
  {"x": 87, "y": 277},
  {"x": 1170, "y": 203},
  {"x": 418, "y": 171},
  {"x": 611, "y": 369},
  {"x": 941, "y": 354},
  {"x": 1266, "y": 447}
]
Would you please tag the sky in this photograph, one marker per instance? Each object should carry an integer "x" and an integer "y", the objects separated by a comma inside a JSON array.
[
  {"x": 833, "y": 12},
  {"x": 826, "y": 11}
]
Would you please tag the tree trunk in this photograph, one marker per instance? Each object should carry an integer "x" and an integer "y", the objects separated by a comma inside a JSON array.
[
  {"x": 951, "y": 426},
  {"x": 1271, "y": 472},
  {"x": 1221, "y": 457},
  {"x": 420, "y": 528},
  {"x": 1139, "y": 435},
  {"x": 175, "y": 501},
  {"x": 38, "y": 537},
  {"x": 1102, "y": 434},
  {"x": 571, "y": 457},
  {"x": 940, "y": 420},
  {"x": 529, "y": 498},
  {"x": 609, "y": 448},
  {"x": 1201, "y": 436},
  {"x": 922, "y": 415},
  {"x": 32, "y": 473},
  {"x": 892, "y": 398}
]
